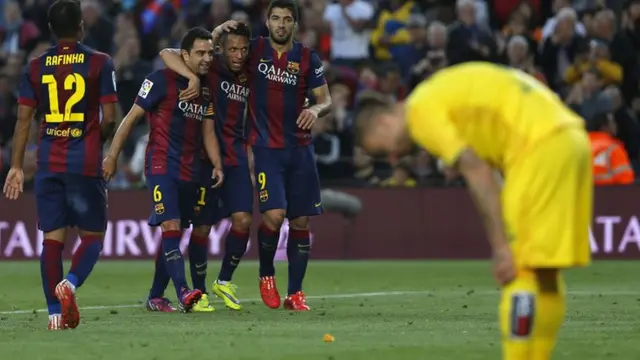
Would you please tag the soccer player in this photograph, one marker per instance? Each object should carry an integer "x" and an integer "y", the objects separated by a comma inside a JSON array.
[
  {"x": 230, "y": 90},
  {"x": 479, "y": 118},
  {"x": 173, "y": 161},
  {"x": 70, "y": 84},
  {"x": 281, "y": 73}
]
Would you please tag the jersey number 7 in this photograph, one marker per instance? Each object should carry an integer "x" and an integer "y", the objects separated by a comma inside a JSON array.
[{"x": 54, "y": 107}]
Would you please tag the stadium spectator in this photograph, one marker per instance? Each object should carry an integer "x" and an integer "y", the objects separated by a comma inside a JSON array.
[
  {"x": 611, "y": 164},
  {"x": 560, "y": 49},
  {"x": 519, "y": 57},
  {"x": 17, "y": 35},
  {"x": 431, "y": 52},
  {"x": 347, "y": 20},
  {"x": 469, "y": 41},
  {"x": 549, "y": 28},
  {"x": 98, "y": 28},
  {"x": 391, "y": 33}
]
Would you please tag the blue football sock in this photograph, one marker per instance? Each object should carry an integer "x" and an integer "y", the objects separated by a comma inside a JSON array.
[
  {"x": 234, "y": 248},
  {"x": 174, "y": 260},
  {"x": 267, "y": 247},
  {"x": 84, "y": 259},
  {"x": 161, "y": 277},
  {"x": 298, "y": 248},
  {"x": 198, "y": 251}
]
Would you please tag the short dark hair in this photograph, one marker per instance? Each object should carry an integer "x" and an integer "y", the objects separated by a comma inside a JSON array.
[
  {"x": 65, "y": 17},
  {"x": 368, "y": 104},
  {"x": 240, "y": 30},
  {"x": 284, "y": 4},
  {"x": 196, "y": 33}
]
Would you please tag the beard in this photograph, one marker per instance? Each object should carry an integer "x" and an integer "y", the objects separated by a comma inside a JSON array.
[{"x": 280, "y": 41}]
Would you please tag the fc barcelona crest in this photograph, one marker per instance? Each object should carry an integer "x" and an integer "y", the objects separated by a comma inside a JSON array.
[
  {"x": 293, "y": 67},
  {"x": 242, "y": 78},
  {"x": 263, "y": 195},
  {"x": 205, "y": 93}
]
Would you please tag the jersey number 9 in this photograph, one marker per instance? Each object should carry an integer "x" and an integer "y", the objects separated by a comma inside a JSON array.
[
  {"x": 262, "y": 180},
  {"x": 73, "y": 82}
]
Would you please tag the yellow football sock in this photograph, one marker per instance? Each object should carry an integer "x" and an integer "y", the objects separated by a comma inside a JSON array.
[{"x": 532, "y": 309}]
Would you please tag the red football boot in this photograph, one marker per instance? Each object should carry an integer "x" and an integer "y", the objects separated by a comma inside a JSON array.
[
  {"x": 67, "y": 297},
  {"x": 269, "y": 292},
  {"x": 296, "y": 302}
]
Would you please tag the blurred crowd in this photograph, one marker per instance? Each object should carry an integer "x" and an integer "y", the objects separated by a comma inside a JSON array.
[{"x": 585, "y": 50}]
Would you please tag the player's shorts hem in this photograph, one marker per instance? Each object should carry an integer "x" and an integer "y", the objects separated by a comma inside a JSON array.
[
  {"x": 183, "y": 224},
  {"x": 46, "y": 230}
]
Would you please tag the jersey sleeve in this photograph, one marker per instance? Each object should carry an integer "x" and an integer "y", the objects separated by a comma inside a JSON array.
[
  {"x": 26, "y": 92},
  {"x": 209, "y": 112},
  {"x": 315, "y": 75},
  {"x": 431, "y": 128},
  {"x": 152, "y": 91},
  {"x": 108, "y": 92}
]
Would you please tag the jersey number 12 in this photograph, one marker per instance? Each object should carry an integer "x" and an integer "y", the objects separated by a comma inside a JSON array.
[{"x": 72, "y": 82}]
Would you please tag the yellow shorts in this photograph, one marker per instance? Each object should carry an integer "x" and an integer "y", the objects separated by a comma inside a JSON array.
[{"x": 547, "y": 202}]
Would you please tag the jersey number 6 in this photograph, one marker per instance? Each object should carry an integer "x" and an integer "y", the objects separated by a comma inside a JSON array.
[
  {"x": 157, "y": 194},
  {"x": 54, "y": 106}
]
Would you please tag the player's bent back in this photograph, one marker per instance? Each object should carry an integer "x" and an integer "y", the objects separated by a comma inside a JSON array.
[{"x": 500, "y": 112}]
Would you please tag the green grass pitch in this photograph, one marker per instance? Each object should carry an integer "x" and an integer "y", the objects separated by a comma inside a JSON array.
[{"x": 375, "y": 310}]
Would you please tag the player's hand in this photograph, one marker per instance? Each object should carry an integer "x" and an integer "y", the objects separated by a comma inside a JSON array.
[
  {"x": 192, "y": 91},
  {"x": 218, "y": 178},
  {"x": 225, "y": 27},
  {"x": 306, "y": 119},
  {"x": 14, "y": 185},
  {"x": 504, "y": 269},
  {"x": 109, "y": 166}
]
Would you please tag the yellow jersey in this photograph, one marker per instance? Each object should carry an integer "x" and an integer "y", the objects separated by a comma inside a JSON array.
[{"x": 499, "y": 112}]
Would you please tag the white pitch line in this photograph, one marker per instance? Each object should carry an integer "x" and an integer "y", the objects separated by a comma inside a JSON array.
[
  {"x": 332, "y": 296},
  {"x": 349, "y": 296}
]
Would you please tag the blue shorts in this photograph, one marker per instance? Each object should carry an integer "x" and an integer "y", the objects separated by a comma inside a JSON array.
[
  {"x": 288, "y": 179},
  {"x": 68, "y": 200},
  {"x": 236, "y": 192},
  {"x": 206, "y": 210},
  {"x": 172, "y": 199}
]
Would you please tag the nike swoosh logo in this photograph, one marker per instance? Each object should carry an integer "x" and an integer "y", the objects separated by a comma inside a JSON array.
[
  {"x": 265, "y": 60},
  {"x": 170, "y": 252},
  {"x": 318, "y": 204},
  {"x": 200, "y": 266}
]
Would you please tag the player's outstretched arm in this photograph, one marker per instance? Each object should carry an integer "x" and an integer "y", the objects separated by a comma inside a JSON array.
[
  {"x": 111, "y": 160},
  {"x": 27, "y": 103},
  {"x": 173, "y": 60},
  {"x": 212, "y": 146},
  {"x": 217, "y": 33},
  {"x": 485, "y": 192},
  {"x": 14, "y": 184},
  {"x": 21, "y": 135}
]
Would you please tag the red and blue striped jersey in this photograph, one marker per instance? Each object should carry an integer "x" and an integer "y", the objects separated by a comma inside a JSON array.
[
  {"x": 229, "y": 97},
  {"x": 279, "y": 86},
  {"x": 175, "y": 136},
  {"x": 67, "y": 84}
]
